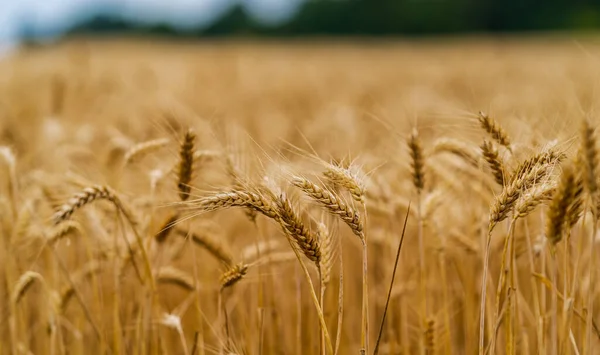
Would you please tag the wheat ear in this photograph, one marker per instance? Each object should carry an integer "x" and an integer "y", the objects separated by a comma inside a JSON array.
[
  {"x": 62, "y": 230},
  {"x": 295, "y": 229},
  {"x": 417, "y": 160},
  {"x": 23, "y": 284},
  {"x": 529, "y": 173},
  {"x": 140, "y": 150},
  {"x": 345, "y": 178},
  {"x": 233, "y": 275},
  {"x": 576, "y": 208},
  {"x": 332, "y": 203},
  {"x": 166, "y": 228},
  {"x": 328, "y": 252},
  {"x": 11, "y": 162},
  {"x": 493, "y": 128},
  {"x": 86, "y": 196},
  {"x": 563, "y": 198},
  {"x": 589, "y": 160},
  {"x": 211, "y": 244},
  {"x": 455, "y": 147},
  {"x": 249, "y": 199},
  {"x": 491, "y": 156},
  {"x": 186, "y": 164},
  {"x": 175, "y": 276},
  {"x": 547, "y": 158},
  {"x": 533, "y": 198}
]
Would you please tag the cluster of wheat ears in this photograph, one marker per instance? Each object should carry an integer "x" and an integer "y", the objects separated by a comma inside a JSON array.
[{"x": 178, "y": 247}]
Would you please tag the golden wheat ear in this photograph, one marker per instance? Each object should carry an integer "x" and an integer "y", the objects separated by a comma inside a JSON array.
[
  {"x": 24, "y": 283},
  {"x": 332, "y": 203},
  {"x": 491, "y": 156},
  {"x": 175, "y": 276},
  {"x": 455, "y": 147},
  {"x": 563, "y": 198},
  {"x": 417, "y": 160},
  {"x": 347, "y": 179},
  {"x": 589, "y": 161},
  {"x": 166, "y": 228},
  {"x": 295, "y": 229},
  {"x": 140, "y": 150},
  {"x": 233, "y": 275},
  {"x": 211, "y": 244},
  {"x": 528, "y": 174},
  {"x": 494, "y": 129},
  {"x": 186, "y": 164}
]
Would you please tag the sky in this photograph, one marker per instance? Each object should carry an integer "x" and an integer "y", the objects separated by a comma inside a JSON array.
[{"x": 55, "y": 16}]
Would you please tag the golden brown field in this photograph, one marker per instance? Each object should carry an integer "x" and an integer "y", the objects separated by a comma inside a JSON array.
[{"x": 219, "y": 198}]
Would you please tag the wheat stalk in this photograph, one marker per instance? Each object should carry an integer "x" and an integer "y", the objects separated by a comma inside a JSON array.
[
  {"x": 93, "y": 193},
  {"x": 78, "y": 276}
]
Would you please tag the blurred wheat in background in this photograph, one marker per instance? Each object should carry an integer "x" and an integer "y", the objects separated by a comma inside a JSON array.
[{"x": 245, "y": 198}]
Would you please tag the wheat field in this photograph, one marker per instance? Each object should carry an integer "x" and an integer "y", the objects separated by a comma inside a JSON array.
[{"x": 252, "y": 198}]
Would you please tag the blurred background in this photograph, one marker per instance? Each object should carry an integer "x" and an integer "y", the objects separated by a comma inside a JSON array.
[{"x": 31, "y": 21}]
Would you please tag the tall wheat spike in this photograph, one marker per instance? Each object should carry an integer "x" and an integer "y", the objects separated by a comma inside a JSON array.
[
  {"x": 175, "y": 276},
  {"x": 211, "y": 244},
  {"x": 140, "y": 150},
  {"x": 345, "y": 178},
  {"x": 332, "y": 203},
  {"x": 491, "y": 156},
  {"x": 563, "y": 198},
  {"x": 296, "y": 230},
  {"x": 250, "y": 199},
  {"x": 233, "y": 275},
  {"x": 186, "y": 164},
  {"x": 494, "y": 129},
  {"x": 26, "y": 280},
  {"x": 417, "y": 160}
]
